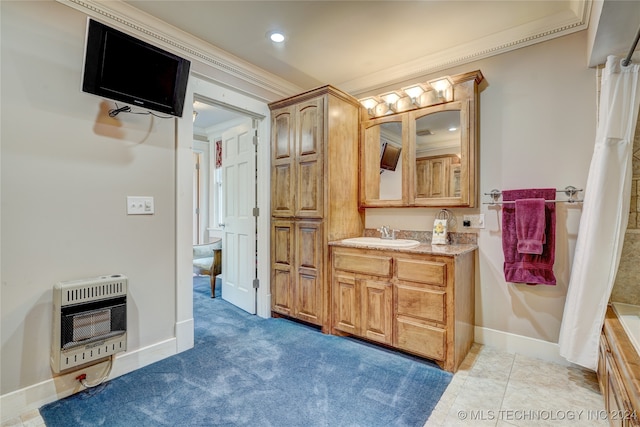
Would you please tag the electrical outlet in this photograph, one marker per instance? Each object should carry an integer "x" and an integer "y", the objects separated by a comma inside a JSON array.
[
  {"x": 140, "y": 205},
  {"x": 473, "y": 221}
]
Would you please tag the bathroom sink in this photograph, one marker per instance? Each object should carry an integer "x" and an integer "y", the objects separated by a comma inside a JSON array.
[{"x": 382, "y": 243}]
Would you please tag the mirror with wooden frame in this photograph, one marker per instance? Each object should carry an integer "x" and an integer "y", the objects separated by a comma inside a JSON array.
[
  {"x": 437, "y": 166},
  {"x": 439, "y": 155},
  {"x": 382, "y": 176}
]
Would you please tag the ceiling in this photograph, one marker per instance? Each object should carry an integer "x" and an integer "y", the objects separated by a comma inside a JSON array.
[
  {"x": 209, "y": 115},
  {"x": 360, "y": 45},
  {"x": 337, "y": 42}
]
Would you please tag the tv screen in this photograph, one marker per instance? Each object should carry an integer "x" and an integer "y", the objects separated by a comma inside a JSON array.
[
  {"x": 122, "y": 68},
  {"x": 389, "y": 156}
]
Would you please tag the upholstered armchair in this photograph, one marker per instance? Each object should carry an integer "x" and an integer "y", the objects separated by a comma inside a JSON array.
[{"x": 207, "y": 261}]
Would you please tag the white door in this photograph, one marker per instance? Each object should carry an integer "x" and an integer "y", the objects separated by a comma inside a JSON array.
[{"x": 239, "y": 237}]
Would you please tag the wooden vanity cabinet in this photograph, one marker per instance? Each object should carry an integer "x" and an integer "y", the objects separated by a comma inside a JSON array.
[
  {"x": 419, "y": 303},
  {"x": 314, "y": 197},
  {"x": 362, "y": 295},
  {"x": 619, "y": 374}
]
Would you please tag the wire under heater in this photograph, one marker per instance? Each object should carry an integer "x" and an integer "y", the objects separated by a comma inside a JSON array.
[{"x": 89, "y": 321}]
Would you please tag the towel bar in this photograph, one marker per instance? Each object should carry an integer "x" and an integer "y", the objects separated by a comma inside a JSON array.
[{"x": 570, "y": 191}]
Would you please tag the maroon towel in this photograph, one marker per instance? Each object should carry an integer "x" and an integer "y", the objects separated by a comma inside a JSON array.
[
  {"x": 530, "y": 225},
  {"x": 523, "y": 267}
]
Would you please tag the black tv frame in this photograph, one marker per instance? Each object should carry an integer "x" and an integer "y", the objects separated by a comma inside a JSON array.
[
  {"x": 96, "y": 82},
  {"x": 390, "y": 154}
]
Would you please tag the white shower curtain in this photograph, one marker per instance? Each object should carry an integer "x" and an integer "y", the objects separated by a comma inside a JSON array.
[{"x": 605, "y": 215}]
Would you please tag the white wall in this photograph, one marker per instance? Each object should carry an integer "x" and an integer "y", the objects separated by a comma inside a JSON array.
[
  {"x": 66, "y": 171},
  {"x": 537, "y": 129}
]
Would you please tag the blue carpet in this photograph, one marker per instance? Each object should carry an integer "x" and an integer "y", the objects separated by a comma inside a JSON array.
[{"x": 249, "y": 371}]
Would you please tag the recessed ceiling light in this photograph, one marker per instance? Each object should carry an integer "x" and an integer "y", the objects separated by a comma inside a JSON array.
[
  {"x": 453, "y": 129},
  {"x": 276, "y": 36}
]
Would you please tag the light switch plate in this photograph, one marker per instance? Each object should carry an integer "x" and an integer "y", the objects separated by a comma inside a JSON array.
[
  {"x": 474, "y": 221},
  {"x": 140, "y": 205}
]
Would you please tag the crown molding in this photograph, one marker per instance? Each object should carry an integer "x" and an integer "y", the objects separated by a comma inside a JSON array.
[
  {"x": 253, "y": 81},
  {"x": 563, "y": 23},
  {"x": 233, "y": 71}
]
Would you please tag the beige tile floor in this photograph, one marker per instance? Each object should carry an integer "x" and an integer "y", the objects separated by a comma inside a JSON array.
[
  {"x": 494, "y": 388},
  {"x": 28, "y": 419}
]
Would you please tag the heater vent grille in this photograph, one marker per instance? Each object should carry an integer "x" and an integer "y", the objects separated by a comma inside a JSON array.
[
  {"x": 80, "y": 291},
  {"x": 89, "y": 321}
]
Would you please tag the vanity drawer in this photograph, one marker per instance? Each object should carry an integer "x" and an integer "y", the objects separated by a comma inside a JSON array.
[
  {"x": 421, "y": 339},
  {"x": 365, "y": 264},
  {"x": 430, "y": 272},
  {"x": 423, "y": 303}
]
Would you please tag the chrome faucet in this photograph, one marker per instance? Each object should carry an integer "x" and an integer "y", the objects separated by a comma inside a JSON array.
[{"x": 387, "y": 233}]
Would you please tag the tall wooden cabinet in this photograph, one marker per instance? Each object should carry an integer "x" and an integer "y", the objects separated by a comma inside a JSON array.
[{"x": 314, "y": 197}]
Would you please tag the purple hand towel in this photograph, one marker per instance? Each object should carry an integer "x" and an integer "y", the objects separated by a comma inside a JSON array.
[
  {"x": 523, "y": 267},
  {"x": 530, "y": 225}
]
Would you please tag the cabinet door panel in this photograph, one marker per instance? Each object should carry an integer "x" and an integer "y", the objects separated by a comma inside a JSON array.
[
  {"x": 310, "y": 129},
  {"x": 282, "y": 137},
  {"x": 309, "y": 265},
  {"x": 281, "y": 289},
  {"x": 282, "y": 194},
  {"x": 421, "y": 339},
  {"x": 307, "y": 301},
  {"x": 346, "y": 304},
  {"x": 282, "y": 235},
  {"x": 282, "y": 242},
  {"x": 310, "y": 189},
  {"x": 283, "y": 158},
  {"x": 310, "y": 137},
  {"x": 377, "y": 311},
  {"x": 423, "y": 303},
  {"x": 309, "y": 244}
]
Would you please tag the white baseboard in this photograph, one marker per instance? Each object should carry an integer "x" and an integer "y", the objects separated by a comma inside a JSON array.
[
  {"x": 33, "y": 397},
  {"x": 184, "y": 335},
  {"x": 518, "y": 344}
]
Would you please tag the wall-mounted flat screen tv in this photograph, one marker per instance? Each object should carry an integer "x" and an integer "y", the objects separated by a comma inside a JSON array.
[
  {"x": 389, "y": 156},
  {"x": 122, "y": 68}
]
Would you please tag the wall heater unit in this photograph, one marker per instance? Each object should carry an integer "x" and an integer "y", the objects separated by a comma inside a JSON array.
[{"x": 89, "y": 321}]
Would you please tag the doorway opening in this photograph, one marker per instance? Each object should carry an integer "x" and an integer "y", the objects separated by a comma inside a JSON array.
[{"x": 224, "y": 194}]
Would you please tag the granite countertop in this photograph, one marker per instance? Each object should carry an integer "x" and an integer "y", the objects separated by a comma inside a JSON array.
[{"x": 423, "y": 248}]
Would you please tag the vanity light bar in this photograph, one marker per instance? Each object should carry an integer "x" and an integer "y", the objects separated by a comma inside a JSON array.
[{"x": 418, "y": 95}]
